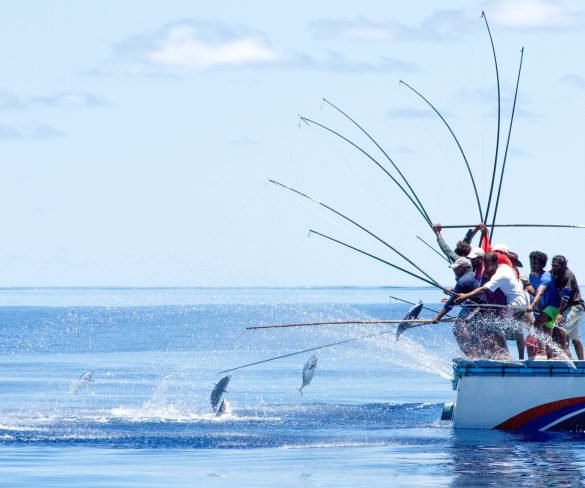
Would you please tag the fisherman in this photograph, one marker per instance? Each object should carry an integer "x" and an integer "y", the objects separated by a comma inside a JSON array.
[
  {"x": 504, "y": 279},
  {"x": 462, "y": 248},
  {"x": 572, "y": 307},
  {"x": 466, "y": 282},
  {"x": 546, "y": 300}
]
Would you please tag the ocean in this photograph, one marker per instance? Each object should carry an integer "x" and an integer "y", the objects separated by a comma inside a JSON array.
[{"x": 370, "y": 416}]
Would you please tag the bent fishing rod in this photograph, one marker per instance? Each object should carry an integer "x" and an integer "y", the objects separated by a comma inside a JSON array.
[
  {"x": 383, "y": 152},
  {"x": 369, "y": 156},
  {"x": 458, "y": 145},
  {"x": 432, "y": 283},
  {"x": 356, "y": 224},
  {"x": 507, "y": 146},
  {"x": 487, "y": 211},
  {"x": 432, "y": 248}
]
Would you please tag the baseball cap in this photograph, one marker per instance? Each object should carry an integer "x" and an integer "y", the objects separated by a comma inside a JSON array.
[
  {"x": 476, "y": 252},
  {"x": 501, "y": 248},
  {"x": 514, "y": 258}
]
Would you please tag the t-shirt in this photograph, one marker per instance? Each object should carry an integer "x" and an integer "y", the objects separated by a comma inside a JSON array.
[
  {"x": 567, "y": 285},
  {"x": 550, "y": 297},
  {"x": 505, "y": 279},
  {"x": 468, "y": 282}
]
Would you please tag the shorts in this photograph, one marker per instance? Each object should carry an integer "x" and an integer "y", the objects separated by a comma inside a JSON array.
[
  {"x": 573, "y": 316},
  {"x": 552, "y": 313}
]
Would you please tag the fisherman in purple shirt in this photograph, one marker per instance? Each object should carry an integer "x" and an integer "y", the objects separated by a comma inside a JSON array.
[{"x": 466, "y": 282}]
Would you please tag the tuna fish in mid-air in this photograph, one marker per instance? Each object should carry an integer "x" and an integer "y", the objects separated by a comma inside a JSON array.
[
  {"x": 308, "y": 372},
  {"x": 224, "y": 408},
  {"x": 83, "y": 380},
  {"x": 412, "y": 314},
  {"x": 219, "y": 390}
]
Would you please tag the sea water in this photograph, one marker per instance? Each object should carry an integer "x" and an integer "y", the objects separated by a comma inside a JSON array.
[{"x": 370, "y": 416}]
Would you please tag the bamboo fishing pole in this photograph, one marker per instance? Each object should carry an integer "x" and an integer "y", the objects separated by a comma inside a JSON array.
[
  {"x": 432, "y": 248},
  {"x": 458, "y": 145},
  {"x": 487, "y": 211},
  {"x": 507, "y": 146},
  {"x": 432, "y": 283},
  {"x": 369, "y": 156},
  {"x": 307, "y": 350},
  {"x": 348, "y": 322},
  {"x": 558, "y": 226},
  {"x": 384, "y": 153},
  {"x": 356, "y": 224}
]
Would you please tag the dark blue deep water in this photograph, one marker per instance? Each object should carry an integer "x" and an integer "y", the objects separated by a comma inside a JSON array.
[{"x": 370, "y": 416}]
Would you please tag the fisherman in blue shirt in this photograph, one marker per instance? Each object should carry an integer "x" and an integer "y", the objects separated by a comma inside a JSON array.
[{"x": 546, "y": 296}]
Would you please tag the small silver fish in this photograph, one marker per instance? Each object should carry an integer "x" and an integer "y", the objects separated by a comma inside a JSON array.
[
  {"x": 224, "y": 408},
  {"x": 219, "y": 390},
  {"x": 308, "y": 372},
  {"x": 83, "y": 380}
]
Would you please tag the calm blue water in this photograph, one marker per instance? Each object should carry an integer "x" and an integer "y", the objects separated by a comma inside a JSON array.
[{"x": 370, "y": 417}]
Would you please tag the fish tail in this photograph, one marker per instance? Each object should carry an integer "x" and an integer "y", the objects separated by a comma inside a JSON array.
[{"x": 300, "y": 390}]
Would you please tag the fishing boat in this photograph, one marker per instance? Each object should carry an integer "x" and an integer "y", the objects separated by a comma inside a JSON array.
[
  {"x": 518, "y": 395},
  {"x": 507, "y": 395}
]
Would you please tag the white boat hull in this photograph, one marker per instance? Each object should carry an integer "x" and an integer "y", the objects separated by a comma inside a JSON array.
[{"x": 519, "y": 395}]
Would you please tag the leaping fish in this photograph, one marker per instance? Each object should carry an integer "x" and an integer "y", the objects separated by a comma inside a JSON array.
[
  {"x": 224, "y": 408},
  {"x": 219, "y": 390},
  {"x": 83, "y": 380},
  {"x": 412, "y": 314},
  {"x": 308, "y": 372}
]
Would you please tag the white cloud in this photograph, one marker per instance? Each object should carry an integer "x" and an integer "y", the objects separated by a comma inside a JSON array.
[
  {"x": 575, "y": 81},
  {"x": 531, "y": 14},
  {"x": 192, "y": 46},
  {"x": 68, "y": 99},
  {"x": 10, "y": 101},
  {"x": 30, "y": 131},
  {"x": 180, "y": 46}
]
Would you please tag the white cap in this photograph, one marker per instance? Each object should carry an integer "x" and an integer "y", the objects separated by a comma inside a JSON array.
[
  {"x": 476, "y": 252},
  {"x": 502, "y": 248}
]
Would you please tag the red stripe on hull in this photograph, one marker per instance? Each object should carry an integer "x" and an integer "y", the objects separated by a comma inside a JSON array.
[{"x": 518, "y": 421}]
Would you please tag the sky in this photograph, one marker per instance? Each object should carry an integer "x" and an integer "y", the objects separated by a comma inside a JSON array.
[{"x": 138, "y": 137}]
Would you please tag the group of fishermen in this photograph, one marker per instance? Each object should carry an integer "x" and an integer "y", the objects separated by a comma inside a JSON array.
[{"x": 498, "y": 304}]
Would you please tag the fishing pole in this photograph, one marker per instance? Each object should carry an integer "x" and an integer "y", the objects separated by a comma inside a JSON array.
[
  {"x": 356, "y": 224},
  {"x": 425, "y": 217},
  {"x": 344, "y": 322},
  {"x": 354, "y": 339},
  {"x": 560, "y": 226},
  {"x": 507, "y": 146},
  {"x": 436, "y": 285},
  {"x": 458, "y": 145},
  {"x": 384, "y": 153},
  {"x": 432, "y": 248},
  {"x": 487, "y": 211}
]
